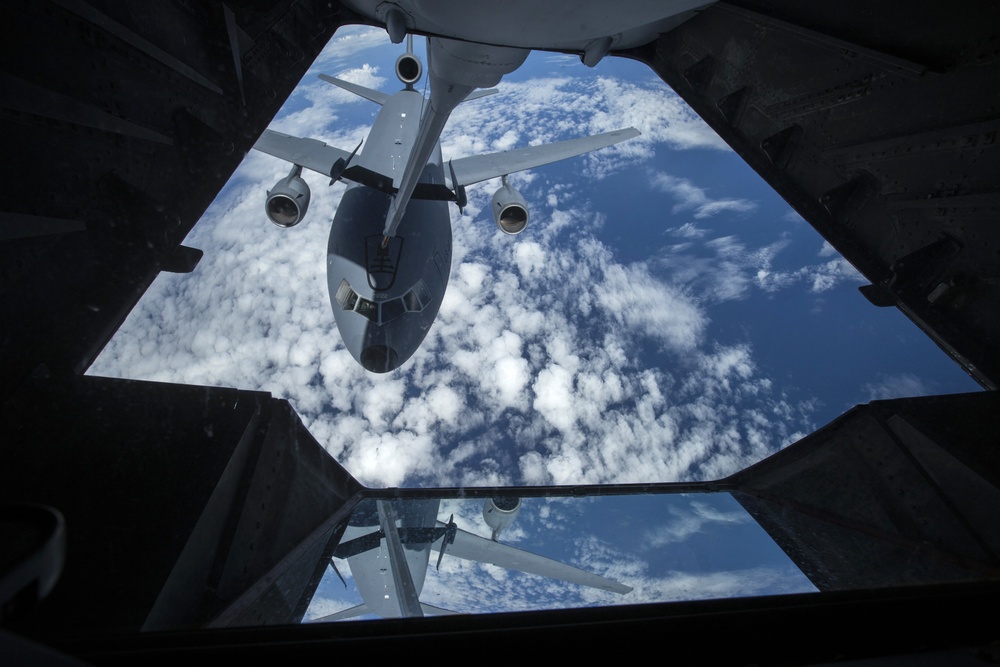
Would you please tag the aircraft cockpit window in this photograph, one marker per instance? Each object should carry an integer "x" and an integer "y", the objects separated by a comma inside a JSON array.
[
  {"x": 411, "y": 302},
  {"x": 367, "y": 308},
  {"x": 392, "y": 309},
  {"x": 349, "y": 300},
  {"x": 417, "y": 298},
  {"x": 346, "y": 297}
]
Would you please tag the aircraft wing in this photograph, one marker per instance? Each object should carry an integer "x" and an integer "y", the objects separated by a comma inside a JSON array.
[
  {"x": 309, "y": 153},
  {"x": 476, "y": 168},
  {"x": 473, "y": 547}
]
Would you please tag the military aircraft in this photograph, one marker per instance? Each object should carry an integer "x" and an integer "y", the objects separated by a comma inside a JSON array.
[
  {"x": 388, "y": 544},
  {"x": 389, "y": 253}
]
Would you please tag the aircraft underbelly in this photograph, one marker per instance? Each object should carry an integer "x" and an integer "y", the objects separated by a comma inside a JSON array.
[{"x": 419, "y": 255}]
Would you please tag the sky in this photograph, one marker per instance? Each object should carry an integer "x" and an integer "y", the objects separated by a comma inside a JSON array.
[{"x": 665, "y": 316}]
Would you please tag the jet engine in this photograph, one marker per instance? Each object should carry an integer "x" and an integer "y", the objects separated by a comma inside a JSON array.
[
  {"x": 288, "y": 201},
  {"x": 509, "y": 209},
  {"x": 409, "y": 68},
  {"x": 500, "y": 513}
]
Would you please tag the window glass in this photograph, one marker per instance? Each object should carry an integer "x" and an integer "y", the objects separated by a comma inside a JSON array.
[
  {"x": 346, "y": 296},
  {"x": 367, "y": 308},
  {"x": 411, "y": 302},
  {"x": 392, "y": 309},
  {"x": 422, "y": 293},
  {"x": 705, "y": 545}
]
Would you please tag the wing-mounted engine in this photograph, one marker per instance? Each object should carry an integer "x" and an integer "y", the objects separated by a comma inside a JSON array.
[
  {"x": 510, "y": 210},
  {"x": 500, "y": 513},
  {"x": 288, "y": 201}
]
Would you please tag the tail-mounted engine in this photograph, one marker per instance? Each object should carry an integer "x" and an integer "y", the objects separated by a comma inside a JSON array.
[
  {"x": 510, "y": 211},
  {"x": 500, "y": 513},
  {"x": 288, "y": 201},
  {"x": 409, "y": 69}
]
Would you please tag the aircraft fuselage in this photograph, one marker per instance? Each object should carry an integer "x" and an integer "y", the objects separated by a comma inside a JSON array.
[
  {"x": 373, "y": 569},
  {"x": 389, "y": 253},
  {"x": 385, "y": 299}
]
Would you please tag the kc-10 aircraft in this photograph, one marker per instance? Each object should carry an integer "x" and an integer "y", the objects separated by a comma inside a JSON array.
[
  {"x": 388, "y": 545},
  {"x": 389, "y": 253}
]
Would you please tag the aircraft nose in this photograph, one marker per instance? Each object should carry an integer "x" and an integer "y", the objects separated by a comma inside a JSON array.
[{"x": 379, "y": 358}]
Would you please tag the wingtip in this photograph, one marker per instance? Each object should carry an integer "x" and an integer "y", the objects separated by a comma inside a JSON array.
[
  {"x": 617, "y": 587},
  {"x": 624, "y": 133}
]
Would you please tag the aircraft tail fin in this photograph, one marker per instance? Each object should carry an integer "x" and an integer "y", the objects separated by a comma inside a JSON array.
[{"x": 375, "y": 96}]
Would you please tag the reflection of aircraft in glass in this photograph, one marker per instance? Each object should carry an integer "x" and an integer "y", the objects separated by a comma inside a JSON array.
[
  {"x": 389, "y": 254},
  {"x": 388, "y": 544}
]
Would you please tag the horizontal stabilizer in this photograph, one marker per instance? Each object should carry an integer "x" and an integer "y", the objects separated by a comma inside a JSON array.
[
  {"x": 476, "y": 94},
  {"x": 431, "y": 610},
  {"x": 375, "y": 96},
  {"x": 352, "y": 612},
  {"x": 469, "y": 170},
  {"x": 309, "y": 153},
  {"x": 473, "y": 547}
]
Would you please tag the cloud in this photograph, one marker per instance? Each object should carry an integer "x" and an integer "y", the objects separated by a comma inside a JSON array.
[
  {"x": 731, "y": 269},
  {"x": 640, "y": 302},
  {"x": 689, "y": 197},
  {"x": 727, "y": 273},
  {"x": 348, "y": 45},
  {"x": 683, "y": 524},
  {"x": 899, "y": 385},
  {"x": 688, "y": 231},
  {"x": 819, "y": 277},
  {"x": 536, "y": 370}
]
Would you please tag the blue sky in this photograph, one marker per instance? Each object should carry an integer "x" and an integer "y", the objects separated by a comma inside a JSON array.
[{"x": 665, "y": 317}]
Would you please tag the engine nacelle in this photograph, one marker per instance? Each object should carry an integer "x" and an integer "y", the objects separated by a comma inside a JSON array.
[
  {"x": 288, "y": 201},
  {"x": 510, "y": 211},
  {"x": 409, "y": 69},
  {"x": 500, "y": 513}
]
